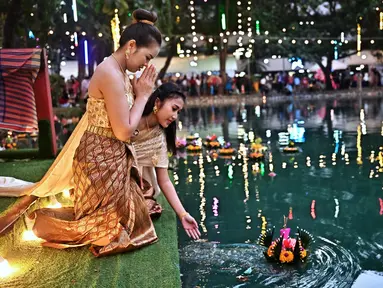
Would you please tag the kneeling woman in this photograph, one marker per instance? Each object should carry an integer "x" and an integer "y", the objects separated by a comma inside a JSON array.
[{"x": 112, "y": 203}]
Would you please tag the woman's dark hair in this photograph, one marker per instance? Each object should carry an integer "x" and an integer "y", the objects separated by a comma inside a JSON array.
[
  {"x": 164, "y": 92},
  {"x": 144, "y": 33}
]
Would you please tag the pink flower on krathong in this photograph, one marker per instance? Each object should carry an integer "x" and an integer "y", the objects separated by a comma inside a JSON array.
[{"x": 289, "y": 243}]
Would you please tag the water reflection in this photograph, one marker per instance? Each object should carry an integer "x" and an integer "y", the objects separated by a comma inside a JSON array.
[{"x": 330, "y": 187}]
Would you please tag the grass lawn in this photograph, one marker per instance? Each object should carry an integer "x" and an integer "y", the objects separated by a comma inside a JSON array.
[{"x": 154, "y": 266}]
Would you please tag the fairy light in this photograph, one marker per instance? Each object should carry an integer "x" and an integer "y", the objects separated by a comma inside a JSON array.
[
  {"x": 5, "y": 268},
  {"x": 28, "y": 235},
  {"x": 54, "y": 205},
  {"x": 193, "y": 62},
  {"x": 115, "y": 26},
  {"x": 66, "y": 193},
  {"x": 249, "y": 49}
]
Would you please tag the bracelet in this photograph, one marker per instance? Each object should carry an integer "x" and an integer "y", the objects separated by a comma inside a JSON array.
[{"x": 183, "y": 215}]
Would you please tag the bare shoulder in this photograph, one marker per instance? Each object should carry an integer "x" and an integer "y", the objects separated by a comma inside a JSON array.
[{"x": 105, "y": 75}]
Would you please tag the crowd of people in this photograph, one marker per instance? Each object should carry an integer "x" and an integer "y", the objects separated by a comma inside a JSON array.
[
  {"x": 296, "y": 83},
  {"x": 74, "y": 92}
]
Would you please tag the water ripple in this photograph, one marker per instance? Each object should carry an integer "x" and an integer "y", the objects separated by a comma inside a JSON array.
[{"x": 330, "y": 265}]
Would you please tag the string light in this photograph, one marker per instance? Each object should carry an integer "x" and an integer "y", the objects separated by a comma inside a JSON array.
[
  {"x": 193, "y": 63},
  {"x": 249, "y": 49}
]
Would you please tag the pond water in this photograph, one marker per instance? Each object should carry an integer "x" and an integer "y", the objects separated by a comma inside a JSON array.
[{"x": 332, "y": 188}]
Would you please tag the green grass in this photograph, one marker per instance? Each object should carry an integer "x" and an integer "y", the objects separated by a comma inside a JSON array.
[
  {"x": 154, "y": 266},
  {"x": 19, "y": 154}
]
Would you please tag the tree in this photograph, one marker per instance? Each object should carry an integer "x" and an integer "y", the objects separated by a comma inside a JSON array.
[
  {"x": 21, "y": 17},
  {"x": 174, "y": 22},
  {"x": 313, "y": 28}
]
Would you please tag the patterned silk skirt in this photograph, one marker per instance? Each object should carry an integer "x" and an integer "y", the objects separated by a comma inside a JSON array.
[{"x": 112, "y": 206}]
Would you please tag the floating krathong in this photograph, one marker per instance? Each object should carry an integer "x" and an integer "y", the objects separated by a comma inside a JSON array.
[
  {"x": 285, "y": 249},
  {"x": 291, "y": 148},
  {"x": 194, "y": 146},
  {"x": 227, "y": 149},
  {"x": 191, "y": 138},
  {"x": 257, "y": 150},
  {"x": 211, "y": 138},
  {"x": 212, "y": 144}
]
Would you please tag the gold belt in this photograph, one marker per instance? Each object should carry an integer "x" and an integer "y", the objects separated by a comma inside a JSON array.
[{"x": 102, "y": 131}]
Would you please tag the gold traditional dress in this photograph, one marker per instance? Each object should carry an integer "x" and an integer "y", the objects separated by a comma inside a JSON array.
[{"x": 110, "y": 211}]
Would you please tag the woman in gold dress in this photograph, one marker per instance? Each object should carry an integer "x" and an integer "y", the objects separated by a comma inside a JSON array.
[{"x": 112, "y": 204}]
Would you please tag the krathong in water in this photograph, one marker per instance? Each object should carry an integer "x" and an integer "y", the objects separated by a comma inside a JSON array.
[{"x": 285, "y": 249}]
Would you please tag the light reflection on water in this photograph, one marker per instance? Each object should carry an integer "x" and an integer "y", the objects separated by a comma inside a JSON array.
[{"x": 331, "y": 188}]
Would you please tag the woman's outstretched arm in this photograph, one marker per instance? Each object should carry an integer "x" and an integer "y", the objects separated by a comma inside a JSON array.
[{"x": 167, "y": 187}]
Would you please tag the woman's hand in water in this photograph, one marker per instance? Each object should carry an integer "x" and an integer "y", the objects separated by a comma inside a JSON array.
[
  {"x": 190, "y": 226},
  {"x": 144, "y": 86}
]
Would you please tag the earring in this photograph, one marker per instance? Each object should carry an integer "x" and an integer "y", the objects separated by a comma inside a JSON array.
[
  {"x": 127, "y": 53},
  {"x": 155, "y": 109}
]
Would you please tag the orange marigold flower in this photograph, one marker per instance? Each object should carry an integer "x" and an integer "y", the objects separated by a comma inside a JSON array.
[
  {"x": 303, "y": 254},
  {"x": 270, "y": 251},
  {"x": 256, "y": 146},
  {"x": 286, "y": 256}
]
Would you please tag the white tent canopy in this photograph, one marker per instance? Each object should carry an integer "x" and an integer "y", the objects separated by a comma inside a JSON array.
[
  {"x": 335, "y": 65},
  {"x": 366, "y": 58},
  {"x": 204, "y": 64},
  {"x": 177, "y": 65}
]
